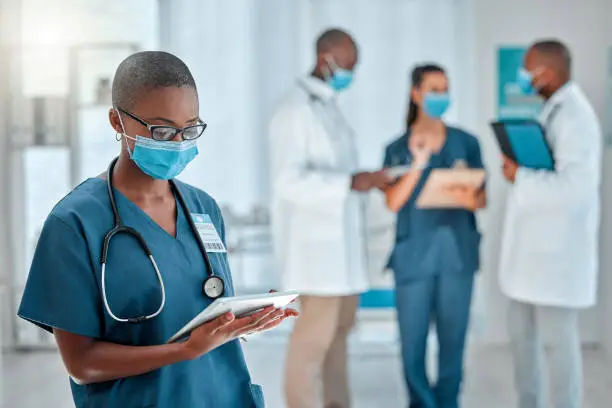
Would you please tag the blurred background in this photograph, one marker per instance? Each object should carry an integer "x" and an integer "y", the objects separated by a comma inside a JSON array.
[{"x": 57, "y": 59}]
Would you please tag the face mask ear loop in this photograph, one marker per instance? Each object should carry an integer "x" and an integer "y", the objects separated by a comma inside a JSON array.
[
  {"x": 123, "y": 136},
  {"x": 534, "y": 80},
  {"x": 326, "y": 70}
]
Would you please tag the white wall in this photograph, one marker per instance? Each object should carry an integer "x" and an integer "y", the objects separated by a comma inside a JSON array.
[{"x": 584, "y": 26}]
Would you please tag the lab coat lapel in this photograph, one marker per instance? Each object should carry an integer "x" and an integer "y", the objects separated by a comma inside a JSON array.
[{"x": 341, "y": 136}]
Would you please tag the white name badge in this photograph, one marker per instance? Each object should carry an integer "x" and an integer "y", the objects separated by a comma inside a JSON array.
[{"x": 208, "y": 233}]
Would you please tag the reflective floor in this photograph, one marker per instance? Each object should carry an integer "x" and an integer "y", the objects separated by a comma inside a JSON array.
[{"x": 38, "y": 380}]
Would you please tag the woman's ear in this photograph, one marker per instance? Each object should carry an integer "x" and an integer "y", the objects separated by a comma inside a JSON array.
[
  {"x": 415, "y": 95},
  {"x": 113, "y": 118}
]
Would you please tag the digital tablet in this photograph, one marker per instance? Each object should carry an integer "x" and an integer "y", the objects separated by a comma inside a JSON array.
[
  {"x": 524, "y": 141},
  {"x": 240, "y": 306}
]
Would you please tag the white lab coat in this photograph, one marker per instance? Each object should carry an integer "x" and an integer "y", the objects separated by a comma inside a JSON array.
[
  {"x": 317, "y": 220},
  {"x": 550, "y": 241}
]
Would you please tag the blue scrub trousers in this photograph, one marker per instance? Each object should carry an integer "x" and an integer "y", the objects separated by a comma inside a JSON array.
[{"x": 445, "y": 300}]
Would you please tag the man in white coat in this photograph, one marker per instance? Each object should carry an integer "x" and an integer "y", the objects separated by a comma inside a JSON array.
[
  {"x": 550, "y": 243},
  {"x": 318, "y": 224}
]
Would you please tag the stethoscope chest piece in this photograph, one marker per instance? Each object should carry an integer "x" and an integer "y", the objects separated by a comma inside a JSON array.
[{"x": 213, "y": 287}]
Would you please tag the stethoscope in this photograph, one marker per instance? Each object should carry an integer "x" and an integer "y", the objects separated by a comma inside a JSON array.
[{"x": 212, "y": 287}]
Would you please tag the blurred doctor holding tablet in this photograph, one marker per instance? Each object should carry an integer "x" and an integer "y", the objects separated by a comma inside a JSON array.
[{"x": 549, "y": 247}]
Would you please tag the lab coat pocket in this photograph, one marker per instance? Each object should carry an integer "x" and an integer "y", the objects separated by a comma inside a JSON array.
[
  {"x": 257, "y": 395},
  {"x": 412, "y": 259}
]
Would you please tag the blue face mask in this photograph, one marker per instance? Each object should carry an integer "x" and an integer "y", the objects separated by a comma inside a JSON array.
[
  {"x": 524, "y": 79},
  {"x": 162, "y": 160},
  {"x": 435, "y": 104},
  {"x": 341, "y": 79}
]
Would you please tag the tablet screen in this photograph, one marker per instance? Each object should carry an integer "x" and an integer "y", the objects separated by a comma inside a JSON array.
[{"x": 529, "y": 145}]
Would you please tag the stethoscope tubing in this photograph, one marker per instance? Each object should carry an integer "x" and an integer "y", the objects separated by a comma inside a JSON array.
[{"x": 120, "y": 228}]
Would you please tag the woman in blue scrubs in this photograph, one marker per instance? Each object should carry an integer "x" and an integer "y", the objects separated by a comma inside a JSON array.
[
  {"x": 436, "y": 252},
  {"x": 113, "y": 363}
]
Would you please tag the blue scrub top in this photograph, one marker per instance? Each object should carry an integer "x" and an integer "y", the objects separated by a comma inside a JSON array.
[
  {"x": 432, "y": 241},
  {"x": 63, "y": 291}
]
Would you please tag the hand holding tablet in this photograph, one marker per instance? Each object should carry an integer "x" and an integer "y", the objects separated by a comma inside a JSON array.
[{"x": 248, "y": 313}]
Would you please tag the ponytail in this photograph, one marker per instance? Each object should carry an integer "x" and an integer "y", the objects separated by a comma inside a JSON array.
[{"x": 413, "y": 113}]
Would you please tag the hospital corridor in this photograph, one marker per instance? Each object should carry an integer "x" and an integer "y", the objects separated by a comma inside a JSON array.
[{"x": 305, "y": 204}]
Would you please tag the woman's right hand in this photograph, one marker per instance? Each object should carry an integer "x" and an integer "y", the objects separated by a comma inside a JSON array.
[
  {"x": 227, "y": 327},
  {"x": 420, "y": 153}
]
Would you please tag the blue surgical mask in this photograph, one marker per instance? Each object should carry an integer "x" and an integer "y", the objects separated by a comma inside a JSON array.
[
  {"x": 340, "y": 78},
  {"x": 435, "y": 104},
  {"x": 162, "y": 160},
  {"x": 524, "y": 80}
]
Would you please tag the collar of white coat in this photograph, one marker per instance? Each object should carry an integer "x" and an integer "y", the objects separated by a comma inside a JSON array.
[
  {"x": 557, "y": 98},
  {"x": 317, "y": 88}
]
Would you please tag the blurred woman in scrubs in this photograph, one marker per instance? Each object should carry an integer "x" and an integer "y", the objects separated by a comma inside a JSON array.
[
  {"x": 127, "y": 364},
  {"x": 436, "y": 251}
]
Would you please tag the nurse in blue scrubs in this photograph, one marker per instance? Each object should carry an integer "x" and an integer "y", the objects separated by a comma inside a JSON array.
[
  {"x": 126, "y": 364},
  {"x": 436, "y": 252}
]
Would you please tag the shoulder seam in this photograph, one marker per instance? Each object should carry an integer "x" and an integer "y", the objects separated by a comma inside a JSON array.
[{"x": 66, "y": 224}]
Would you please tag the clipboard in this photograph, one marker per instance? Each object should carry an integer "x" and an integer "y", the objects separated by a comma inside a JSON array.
[
  {"x": 433, "y": 194},
  {"x": 524, "y": 141}
]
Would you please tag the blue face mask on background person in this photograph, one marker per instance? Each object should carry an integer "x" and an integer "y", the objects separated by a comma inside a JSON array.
[
  {"x": 340, "y": 78},
  {"x": 524, "y": 79},
  {"x": 162, "y": 160},
  {"x": 435, "y": 104}
]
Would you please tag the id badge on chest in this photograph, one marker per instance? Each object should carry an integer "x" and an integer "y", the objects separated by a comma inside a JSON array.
[{"x": 208, "y": 233}]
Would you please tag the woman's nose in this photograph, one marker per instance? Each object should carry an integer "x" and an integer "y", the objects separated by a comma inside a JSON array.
[{"x": 178, "y": 137}]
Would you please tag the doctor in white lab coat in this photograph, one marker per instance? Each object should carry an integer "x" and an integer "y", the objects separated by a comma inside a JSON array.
[
  {"x": 318, "y": 222},
  {"x": 550, "y": 242}
]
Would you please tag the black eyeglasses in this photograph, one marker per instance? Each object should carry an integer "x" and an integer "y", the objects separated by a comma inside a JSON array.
[{"x": 166, "y": 133}]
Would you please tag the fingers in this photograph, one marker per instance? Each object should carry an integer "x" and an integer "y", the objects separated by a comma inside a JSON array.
[
  {"x": 273, "y": 322},
  {"x": 268, "y": 326},
  {"x": 253, "y": 319},
  {"x": 257, "y": 324},
  {"x": 220, "y": 322},
  {"x": 291, "y": 313}
]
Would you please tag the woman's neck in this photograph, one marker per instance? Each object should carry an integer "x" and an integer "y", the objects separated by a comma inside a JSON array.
[
  {"x": 136, "y": 185},
  {"x": 427, "y": 124}
]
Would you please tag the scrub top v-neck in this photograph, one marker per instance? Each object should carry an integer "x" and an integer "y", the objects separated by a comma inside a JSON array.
[
  {"x": 433, "y": 241},
  {"x": 63, "y": 292}
]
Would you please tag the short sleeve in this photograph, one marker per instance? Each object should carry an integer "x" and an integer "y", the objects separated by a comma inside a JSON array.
[
  {"x": 474, "y": 155},
  {"x": 387, "y": 158},
  {"x": 62, "y": 291}
]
